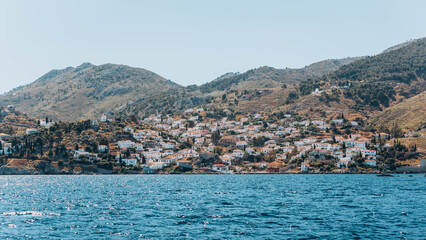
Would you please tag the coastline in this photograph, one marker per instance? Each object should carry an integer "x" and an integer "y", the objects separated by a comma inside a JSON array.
[{"x": 254, "y": 173}]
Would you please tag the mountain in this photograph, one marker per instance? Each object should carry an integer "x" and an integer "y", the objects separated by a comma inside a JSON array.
[
  {"x": 404, "y": 64},
  {"x": 362, "y": 88},
  {"x": 86, "y": 91},
  {"x": 409, "y": 114},
  {"x": 363, "y": 85},
  {"x": 269, "y": 77},
  {"x": 165, "y": 103},
  {"x": 398, "y": 46},
  {"x": 376, "y": 82},
  {"x": 260, "y": 78},
  {"x": 226, "y": 75}
]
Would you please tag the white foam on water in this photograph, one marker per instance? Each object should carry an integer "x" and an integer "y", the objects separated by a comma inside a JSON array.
[{"x": 30, "y": 213}]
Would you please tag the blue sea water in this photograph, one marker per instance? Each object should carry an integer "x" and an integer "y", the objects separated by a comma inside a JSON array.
[{"x": 213, "y": 207}]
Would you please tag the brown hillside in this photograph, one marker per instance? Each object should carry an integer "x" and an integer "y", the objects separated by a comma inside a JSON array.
[
  {"x": 86, "y": 91},
  {"x": 409, "y": 114}
]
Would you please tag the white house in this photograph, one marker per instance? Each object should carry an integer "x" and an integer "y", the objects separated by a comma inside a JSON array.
[
  {"x": 81, "y": 153},
  {"x": 249, "y": 150},
  {"x": 361, "y": 145},
  {"x": 338, "y": 121},
  {"x": 304, "y": 167},
  {"x": 45, "y": 124},
  {"x": 226, "y": 160},
  {"x": 30, "y": 131},
  {"x": 318, "y": 122},
  {"x": 266, "y": 150},
  {"x": 168, "y": 145},
  {"x": 317, "y": 91},
  {"x": 261, "y": 164},
  {"x": 366, "y": 153},
  {"x": 270, "y": 142},
  {"x": 354, "y": 150},
  {"x": 129, "y": 129},
  {"x": 371, "y": 163},
  {"x": 220, "y": 168},
  {"x": 139, "y": 147},
  {"x": 238, "y": 153},
  {"x": 125, "y": 144},
  {"x": 324, "y": 127},
  {"x": 135, "y": 155},
  {"x": 129, "y": 162},
  {"x": 241, "y": 144},
  {"x": 102, "y": 148},
  {"x": 153, "y": 167},
  {"x": 344, "y": 162},
  {"x": 354, "y": 123}
]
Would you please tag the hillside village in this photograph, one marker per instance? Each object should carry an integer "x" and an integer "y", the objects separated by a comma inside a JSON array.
[
  {"x": 203, "y": 141},
  {"x": 352, "y": 115}
]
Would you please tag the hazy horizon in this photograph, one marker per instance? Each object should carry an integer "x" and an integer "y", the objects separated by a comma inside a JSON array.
[{"x": 190, "y": 42}]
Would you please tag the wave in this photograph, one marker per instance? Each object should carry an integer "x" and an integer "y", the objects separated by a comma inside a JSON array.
[{"x": 30, "y": 213}]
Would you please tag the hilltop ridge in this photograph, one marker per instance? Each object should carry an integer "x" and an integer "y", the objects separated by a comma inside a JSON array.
[{"x": 86, "y": 91}]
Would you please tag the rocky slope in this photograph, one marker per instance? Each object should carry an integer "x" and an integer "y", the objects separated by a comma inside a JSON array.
[
  {"x": 409, "y": 114},
  {"x": 260, "y": 78},
  {"x": 86, "y": 91},
  {"x": 372, "y": 83},
  {"x": 269, "y": 77},
  {"x": 364, "y": 85},
  {"x": 362, "y": 88}
]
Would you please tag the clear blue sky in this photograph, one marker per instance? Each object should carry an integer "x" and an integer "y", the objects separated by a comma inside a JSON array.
[{"x": 192, "y": 42}]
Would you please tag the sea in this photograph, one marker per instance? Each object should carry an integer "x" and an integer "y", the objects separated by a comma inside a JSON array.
[{"x": 262, "y": 206}]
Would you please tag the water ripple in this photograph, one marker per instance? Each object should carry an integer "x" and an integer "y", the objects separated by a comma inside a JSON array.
[{"x": 213, "y": 207}]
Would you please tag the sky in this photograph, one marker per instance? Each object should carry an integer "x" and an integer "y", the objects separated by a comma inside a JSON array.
[{"x": 193, "y": 42}]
